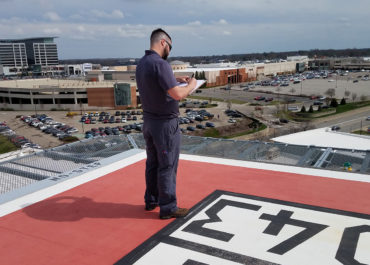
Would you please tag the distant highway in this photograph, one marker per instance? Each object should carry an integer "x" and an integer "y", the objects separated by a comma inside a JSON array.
[{"x": 349, "y": 123}]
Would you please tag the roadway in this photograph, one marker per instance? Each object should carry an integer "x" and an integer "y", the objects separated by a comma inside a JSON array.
[
  {"x": 348, "y": 122},
  {"x": 353, "y": 121}
]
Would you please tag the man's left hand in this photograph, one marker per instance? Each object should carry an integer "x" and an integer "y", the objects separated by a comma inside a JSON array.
[{"x": 182, "y": 79}]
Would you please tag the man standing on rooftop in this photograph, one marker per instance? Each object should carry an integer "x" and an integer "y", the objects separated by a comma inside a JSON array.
[{"x": 159, "y": 94}]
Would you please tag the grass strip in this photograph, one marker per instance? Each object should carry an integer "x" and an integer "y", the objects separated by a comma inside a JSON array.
[{"x": 6, "y": 145}]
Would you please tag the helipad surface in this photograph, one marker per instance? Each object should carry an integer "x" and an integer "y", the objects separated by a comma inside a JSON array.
[{"x": 243, "y": 213}]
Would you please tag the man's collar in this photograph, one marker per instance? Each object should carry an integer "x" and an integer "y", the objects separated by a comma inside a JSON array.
[{"x": 148, "y": 52}]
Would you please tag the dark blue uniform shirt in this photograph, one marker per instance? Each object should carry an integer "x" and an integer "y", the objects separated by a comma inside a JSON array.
[{"x": 154, "y": 77}]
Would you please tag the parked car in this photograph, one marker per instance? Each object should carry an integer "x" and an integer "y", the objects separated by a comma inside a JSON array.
[
  {"x": 282, "y": 120},
  {"x": 88, "y": 135},
  {"x": 72, "y": 130},
  {"x": 210, "y": 124},
  {"x": 190, "y": 128},
  {"x": 269, "y": 99},
  {"x": 335, "y": 128},
  {"x": 259, "y": 98}
]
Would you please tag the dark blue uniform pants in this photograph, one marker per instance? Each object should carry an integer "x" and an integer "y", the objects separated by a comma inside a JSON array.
[{"x": 162, "y": 139}]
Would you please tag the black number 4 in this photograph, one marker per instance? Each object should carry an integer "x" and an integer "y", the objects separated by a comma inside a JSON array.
[{"x": 283, "y": 218}]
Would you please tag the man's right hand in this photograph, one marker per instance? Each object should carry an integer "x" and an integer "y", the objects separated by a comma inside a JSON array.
[
  {"x": 192, "y": 83},
  {"x": 180, "y": 92}
]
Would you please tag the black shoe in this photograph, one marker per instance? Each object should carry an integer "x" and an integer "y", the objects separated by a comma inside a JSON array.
[
  {"x": 150, "y": 207},
  {"x": 180, "y": 212}
]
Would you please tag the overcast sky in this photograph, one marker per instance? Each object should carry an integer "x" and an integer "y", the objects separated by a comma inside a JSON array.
[{"x": 121, "y": 28}]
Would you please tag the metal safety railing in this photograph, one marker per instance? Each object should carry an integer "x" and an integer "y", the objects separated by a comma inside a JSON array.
[{"x": 23, "y": 171}]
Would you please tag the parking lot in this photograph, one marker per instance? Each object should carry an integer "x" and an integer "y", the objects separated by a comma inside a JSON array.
[
  {"x": 194, "y": 114},
  {"x": 59, "y": 124},
  {"x": 18, "y": 140},
  {"x": 299, "y": 88}
]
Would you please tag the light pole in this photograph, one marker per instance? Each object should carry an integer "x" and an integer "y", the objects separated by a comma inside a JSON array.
[
  {"x": 83, "y": 129},
  {"x": 34, "y": 104}
]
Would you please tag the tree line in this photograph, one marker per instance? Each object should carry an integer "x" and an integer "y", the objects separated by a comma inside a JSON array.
[{"x": 314, "y": 53}]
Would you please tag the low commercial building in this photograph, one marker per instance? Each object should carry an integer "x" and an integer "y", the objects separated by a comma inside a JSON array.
[
  {"x": 280, "y": 68},
  {"x": 218, "y": 76},
  {"x": 108, "y": 74},
  {"x": 77, "y": 69},
  {"x": 320, "y": 64},
  {"x": 47, "y": 94},
  {"x": 349, "y": 63},
  {"x": 179, "y": 65}
]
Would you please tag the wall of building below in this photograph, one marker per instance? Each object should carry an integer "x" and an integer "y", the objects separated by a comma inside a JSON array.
[
  {"x": 104, "y": 97},
  {"x": 223, "y": 77},
  {"x": 128, "y": 76},
  {"x": 118, "y": 68},
  {"x": 279, "y": 68},
  {"x": 179, "y": 66},
  {"x": 47, "y": 107},
  {"x": 230, "y": 76}
]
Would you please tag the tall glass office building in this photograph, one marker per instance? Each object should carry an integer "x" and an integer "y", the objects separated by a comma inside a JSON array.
[
  {"x": 31, "y": 51},
  {"x": 13, "y": 55}
]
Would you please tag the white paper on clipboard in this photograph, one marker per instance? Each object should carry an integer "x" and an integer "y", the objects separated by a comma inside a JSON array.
[{"x": 199, "y": 84}]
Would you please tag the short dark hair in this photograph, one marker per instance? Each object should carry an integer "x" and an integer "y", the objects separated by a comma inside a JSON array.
[{"x": 157, "y": 35}]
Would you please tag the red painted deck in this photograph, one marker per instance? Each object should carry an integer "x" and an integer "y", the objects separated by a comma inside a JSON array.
[{"x": 101, "y": 221}]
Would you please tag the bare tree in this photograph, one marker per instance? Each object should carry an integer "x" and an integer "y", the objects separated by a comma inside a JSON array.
[
  {"x": 292, "y": 90},
  {"x": 354, "y": 96},
  {"x": 306, "y": 126},
  {"x": 330, "y": 92},
  {"x": 347, "y": 93},
  {"x": 363, "y": 98},
  {"x": 278, "y": 89},
  {"x": 229, "y": 104},
  {"x": 277, "y": 106}
]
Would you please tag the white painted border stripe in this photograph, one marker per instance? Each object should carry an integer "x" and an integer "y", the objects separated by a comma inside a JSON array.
[
  {"x": 24, "y": 201},
  {"x": 280, "y": 168}
]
